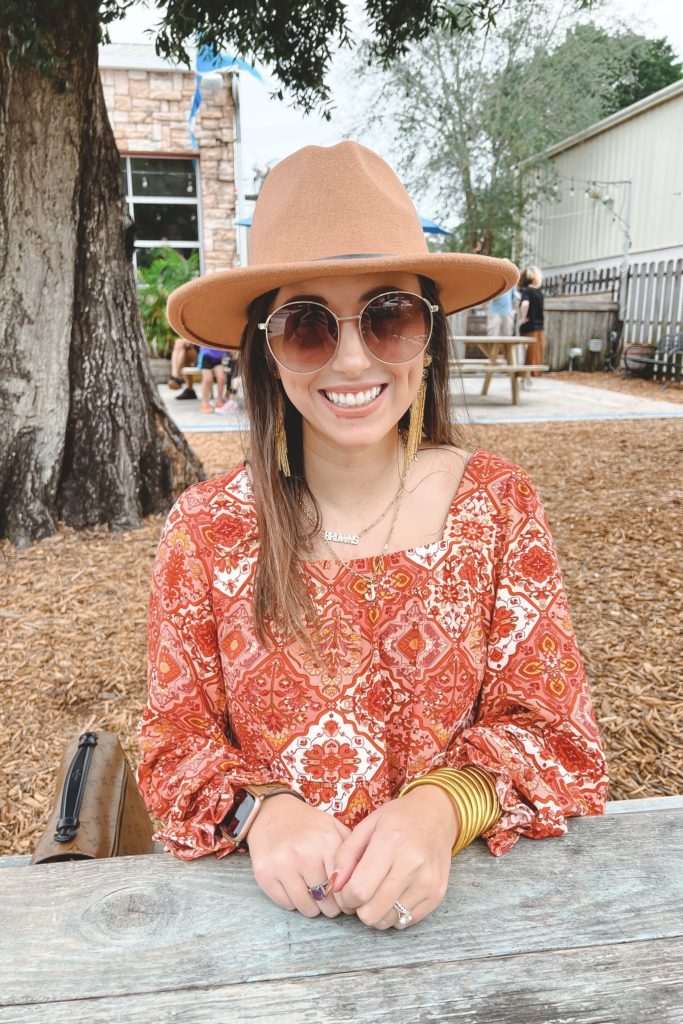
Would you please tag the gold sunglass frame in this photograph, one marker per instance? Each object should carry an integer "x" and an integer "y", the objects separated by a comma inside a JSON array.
[{"x": 432, "y": 307}]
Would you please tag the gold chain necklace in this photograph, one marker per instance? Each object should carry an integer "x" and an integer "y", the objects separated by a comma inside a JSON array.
[
  {"x": 354, "y": 538},
  {"x": 351, "y": 538},
  {"x": 372, "y": 583}
]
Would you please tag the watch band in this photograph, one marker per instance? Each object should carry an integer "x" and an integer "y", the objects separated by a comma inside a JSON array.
[
  {"x": 247, "y": 802},
  {"x": 267, "y": 789}
]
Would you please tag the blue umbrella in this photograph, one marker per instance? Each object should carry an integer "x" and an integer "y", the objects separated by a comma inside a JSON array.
[{"x": 429, "y": 227}]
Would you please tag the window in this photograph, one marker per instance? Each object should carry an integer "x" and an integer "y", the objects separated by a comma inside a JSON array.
[{"x": 161, "y": 193}]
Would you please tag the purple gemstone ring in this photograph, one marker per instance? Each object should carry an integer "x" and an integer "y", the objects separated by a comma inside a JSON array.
[{"x": 319, "y": 892}]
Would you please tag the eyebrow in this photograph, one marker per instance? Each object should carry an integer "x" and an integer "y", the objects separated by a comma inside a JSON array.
[{"x": 365, "y": 297}]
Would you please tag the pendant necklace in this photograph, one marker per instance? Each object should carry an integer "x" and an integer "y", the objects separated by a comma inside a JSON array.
[
  {"x": 372, "y": 583},
  {"x": 339, "y": 537},
  {"x": 354, "y": 538}
]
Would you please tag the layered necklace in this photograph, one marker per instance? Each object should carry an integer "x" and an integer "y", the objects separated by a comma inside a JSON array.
[{"x": 370, "y": 583}]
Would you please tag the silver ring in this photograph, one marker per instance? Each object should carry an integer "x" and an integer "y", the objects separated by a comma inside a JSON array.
[
  {"x": 319, "y": 892},
  {"x": 404, "y": 915}
]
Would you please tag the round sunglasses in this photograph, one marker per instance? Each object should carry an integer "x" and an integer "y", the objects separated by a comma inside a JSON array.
[{"x": 394, "y": 327}]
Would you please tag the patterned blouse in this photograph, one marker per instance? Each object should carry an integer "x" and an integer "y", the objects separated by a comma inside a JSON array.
[{"x": 465, "y": 655}]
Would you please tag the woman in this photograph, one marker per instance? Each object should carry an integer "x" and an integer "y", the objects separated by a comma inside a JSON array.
[
  {"x": 360, "y": 653},
  {"x": 531, "y": 321}
]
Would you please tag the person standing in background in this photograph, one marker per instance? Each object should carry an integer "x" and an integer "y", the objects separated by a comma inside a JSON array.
[
  {"x": 501, "y": 315},
  {"x": 531, "y": 321}
]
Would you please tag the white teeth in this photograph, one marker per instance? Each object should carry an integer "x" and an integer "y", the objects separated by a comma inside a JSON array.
[{"x": 349, "y": 400}]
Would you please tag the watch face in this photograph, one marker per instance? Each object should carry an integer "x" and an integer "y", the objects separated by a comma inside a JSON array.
[{"x": 236, "y": 818}]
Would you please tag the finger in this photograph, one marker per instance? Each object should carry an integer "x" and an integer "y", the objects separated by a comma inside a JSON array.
[
  {"x": 379, "y": 907},
  {"x": 382, "y": 913},
  {"x": 327, "y": 906},
  {"x": 418, "y": 909},
  {"x": 276, "y": 892},
  {"x": 343, "y": 830},
  {"x": 368, "y": 876},
  {"x": 297, "y": 890},
  {"x": 350, "y": 852},
  {"x": 419, "y": 900}
]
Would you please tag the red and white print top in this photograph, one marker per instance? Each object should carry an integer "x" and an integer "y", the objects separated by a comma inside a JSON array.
[{"x": 466, "y": 656}]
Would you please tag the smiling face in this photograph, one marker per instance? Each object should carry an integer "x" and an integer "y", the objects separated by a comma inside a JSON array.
[{"x": 355, "y": 400}]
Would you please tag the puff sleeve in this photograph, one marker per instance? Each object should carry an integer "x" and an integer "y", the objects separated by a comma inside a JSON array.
[
  {"x": 188, "y": 770},
  {"x": 534, "y": 730}
]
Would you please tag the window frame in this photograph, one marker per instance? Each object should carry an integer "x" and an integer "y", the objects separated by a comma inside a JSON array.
[{"x": 155, "y": 200}]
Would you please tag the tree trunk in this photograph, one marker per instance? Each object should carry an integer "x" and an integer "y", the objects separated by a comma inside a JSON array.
[{"x": 85, "y": 437}]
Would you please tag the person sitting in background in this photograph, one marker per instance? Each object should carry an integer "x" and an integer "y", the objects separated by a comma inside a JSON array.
[
  {"x": 184, "y": 354},
  {"x": 531, "y": 321},
  {"x": 501, "y": 315},
  {"x": 211, "y": 364}
]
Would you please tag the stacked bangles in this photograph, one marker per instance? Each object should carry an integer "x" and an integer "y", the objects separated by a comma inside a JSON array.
[{"x": 474, "y": 795}]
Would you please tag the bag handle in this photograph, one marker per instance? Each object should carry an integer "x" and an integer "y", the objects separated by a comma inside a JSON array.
[{"x": 74, "y": 788}]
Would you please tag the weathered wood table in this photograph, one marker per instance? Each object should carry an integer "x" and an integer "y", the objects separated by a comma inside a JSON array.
[
  {"x": 493, "y": 347},
  {"x": 582, "y": 929}
]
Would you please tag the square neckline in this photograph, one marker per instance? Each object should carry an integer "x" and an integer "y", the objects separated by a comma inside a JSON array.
[{"x": 366, "y": 560}]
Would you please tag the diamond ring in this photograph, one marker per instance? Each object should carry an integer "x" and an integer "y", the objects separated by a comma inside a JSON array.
[{"x": 404, "y": 915}]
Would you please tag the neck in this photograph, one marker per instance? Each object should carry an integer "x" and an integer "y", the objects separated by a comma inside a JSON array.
[{"x": 350, "y": 480}]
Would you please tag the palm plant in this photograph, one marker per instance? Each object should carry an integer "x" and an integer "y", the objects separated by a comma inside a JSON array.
[{"x": 167, "y": 271}]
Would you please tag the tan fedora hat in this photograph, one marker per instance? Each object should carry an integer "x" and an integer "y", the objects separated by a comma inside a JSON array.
[{"x": 326, "y": 212}]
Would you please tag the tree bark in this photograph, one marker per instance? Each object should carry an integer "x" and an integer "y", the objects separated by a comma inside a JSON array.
[{"x": 85, "y": 437}]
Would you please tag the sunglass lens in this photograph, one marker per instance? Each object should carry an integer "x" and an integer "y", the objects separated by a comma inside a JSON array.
[
  {"x": 396, "y": 326},
  {"x": 302, "y": 336}
]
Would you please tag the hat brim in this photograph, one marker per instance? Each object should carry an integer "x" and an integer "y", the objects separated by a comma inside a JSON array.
[{"x": 212, "y": 310}]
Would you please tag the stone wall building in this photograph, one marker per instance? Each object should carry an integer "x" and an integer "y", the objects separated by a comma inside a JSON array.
[{"x": 178, "y": 194}]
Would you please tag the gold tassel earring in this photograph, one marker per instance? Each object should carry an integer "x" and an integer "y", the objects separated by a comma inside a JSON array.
[
  {"x": 281, "y": 437},
  {"x": 417, "y": 411}
]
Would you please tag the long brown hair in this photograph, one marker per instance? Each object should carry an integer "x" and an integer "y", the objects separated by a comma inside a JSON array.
[{"x": 282, "y": 603}]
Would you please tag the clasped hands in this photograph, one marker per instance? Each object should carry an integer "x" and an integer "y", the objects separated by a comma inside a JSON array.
[{"x": 402, "y": 851}]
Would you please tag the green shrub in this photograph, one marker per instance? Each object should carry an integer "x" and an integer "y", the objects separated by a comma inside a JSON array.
[{"x": 167, "y": 271}]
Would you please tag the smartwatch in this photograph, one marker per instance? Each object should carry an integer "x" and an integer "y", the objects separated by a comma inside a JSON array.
[{"x": 246, "y": 805}]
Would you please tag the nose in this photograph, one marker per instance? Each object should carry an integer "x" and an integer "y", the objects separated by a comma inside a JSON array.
[{"x": 351, "y": 358}]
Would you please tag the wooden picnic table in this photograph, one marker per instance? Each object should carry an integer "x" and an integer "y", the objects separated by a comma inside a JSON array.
[
  {"x": 494, "y": 349},
  {"x": 580, "y": 929}
]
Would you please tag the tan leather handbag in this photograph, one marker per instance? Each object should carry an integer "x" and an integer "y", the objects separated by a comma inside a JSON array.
[{"x": 98, "y": 810}]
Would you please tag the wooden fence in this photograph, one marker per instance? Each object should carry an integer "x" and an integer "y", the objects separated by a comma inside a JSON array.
[
  {"x": 571, "y": 321},
  {"x": 651, "y": 295}
]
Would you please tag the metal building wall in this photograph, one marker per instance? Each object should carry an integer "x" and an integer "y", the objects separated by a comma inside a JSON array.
[{"x": 577, "y": 229}]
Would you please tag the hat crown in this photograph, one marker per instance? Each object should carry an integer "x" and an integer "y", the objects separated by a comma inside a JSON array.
[{"x": 327, "y": 202}]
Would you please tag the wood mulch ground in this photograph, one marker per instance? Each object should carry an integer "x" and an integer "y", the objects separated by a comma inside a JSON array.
[
  {"x": 72, "y": 646},
  {"x": 670, "y": 391}
]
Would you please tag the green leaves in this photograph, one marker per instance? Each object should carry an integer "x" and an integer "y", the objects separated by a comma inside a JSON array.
[
  {"x": 464, "y": 110},
  {"x": 296, "y": 40},
  {"x": 167, "y": 271}
]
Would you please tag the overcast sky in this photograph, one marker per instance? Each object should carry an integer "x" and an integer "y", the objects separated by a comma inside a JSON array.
[{"x": 272, "y": 130}]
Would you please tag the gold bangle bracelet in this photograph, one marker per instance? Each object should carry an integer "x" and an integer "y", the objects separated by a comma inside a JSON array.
[
  {"x": 465, "y": 799},
  {"x": 464, "y": 809},
  {"x": 481, "y": 797},
  {"x": 487, "y": 781},
  {"x": 470, "y": 834},
  {"x": 486, "y": 788},
  {"x": 486, "y": 796},
  {"x": 474, "y": 796}
]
